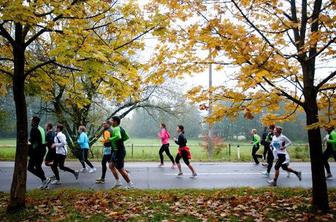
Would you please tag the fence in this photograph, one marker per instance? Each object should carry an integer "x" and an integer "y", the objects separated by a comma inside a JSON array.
[{"x": 149, "y": 152}]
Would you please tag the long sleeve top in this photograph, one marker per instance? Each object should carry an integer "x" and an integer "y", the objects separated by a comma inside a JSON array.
[
  {"x": 181, "y": 140},
  {"x": 255, "y": 139},
  {"x": 83, "y": 141},
  {"x": 332, "y": 139},
  {"x": 37, "y": 137},
  {"x": 164, "y": 136},
  {"x": 280, "y": 141},
  {"x": 61, "y": 144},
  {"x": 117, "y": 138}
]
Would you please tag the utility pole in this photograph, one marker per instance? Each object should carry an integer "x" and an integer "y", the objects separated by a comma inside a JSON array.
[{"x": 210, "y": 145}]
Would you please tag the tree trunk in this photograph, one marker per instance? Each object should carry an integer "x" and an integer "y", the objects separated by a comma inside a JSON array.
[
  {"x": 18, "y": 188},
  {"x": 320, "y": 194}
]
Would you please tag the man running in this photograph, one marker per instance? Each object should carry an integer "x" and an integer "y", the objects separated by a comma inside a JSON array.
[
  {"x": 331, "y": 149},
  {"x": 107, "y": 150},
  {"x": 60, "y": 144},
  {"x": 36, "y": 151},
  {"x": 164, "y": 136},
  {"x": 256, "y": 145},
  {"x": 280, "y": 144},
  {"x": 267, "y": 144},
  {"x": 118, "y": 153}
]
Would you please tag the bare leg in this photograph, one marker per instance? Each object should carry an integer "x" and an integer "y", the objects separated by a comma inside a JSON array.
[
  {"x": 124, "y": 174},
  {"x": 114, "y": 171},
  {"x": 192, "y": 169},
  {"x": 179, "y": 167}
]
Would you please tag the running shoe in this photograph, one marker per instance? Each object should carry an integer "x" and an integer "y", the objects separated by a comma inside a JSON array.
[
  {"x": 100, "y": 181},
  {"x": 288, "y": 174},
  {"x": 180, "y": 174},
  {"x": 160, "y": 165},
  {"x": 267, "y": 174},
  {"x": 76, "y": 174},
  {"x": 56, "y": 182},
  {"x": 83, "y": 170},
  {"x": 130, "y": 185},
  {"x": 271, "y": 183},
  {"x": 173, "y": 166},
  {"x": 329, "y": 175},
  {"x": 299, "y": 175},
  {"x": 264, "y": 164},
  {"x": 45, "y": 183},
  {"x": 92, "y": 170},
  {"x": 194, "y": 175},
  {"x": 117, "y": 184}
]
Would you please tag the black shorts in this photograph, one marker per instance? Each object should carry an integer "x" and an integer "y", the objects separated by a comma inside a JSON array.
[
  {"x": 50, "y": 155},
  {"x": 118, "y": 158},
  {"x": 280, "y": 161}
]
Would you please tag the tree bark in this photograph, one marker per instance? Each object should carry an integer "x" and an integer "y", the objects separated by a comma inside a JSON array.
[
  {"x": 18, "y": 187},
  {"x": 320, "y": 194}
]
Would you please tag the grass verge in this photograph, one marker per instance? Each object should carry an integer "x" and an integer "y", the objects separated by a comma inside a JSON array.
[{"x": 241, "y": 204}]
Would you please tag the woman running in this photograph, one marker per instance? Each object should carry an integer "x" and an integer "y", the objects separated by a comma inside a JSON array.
[
  {"x": 183, "y": 152},
  {"x": 60, "y": 145},
  {"x": 107, "y": 150},
  {"x": 256, "y": 145},
  {"x": 164, "y": 136},
  {"x": 83, "y": 142},
  {"x": 280, "y": 144}
]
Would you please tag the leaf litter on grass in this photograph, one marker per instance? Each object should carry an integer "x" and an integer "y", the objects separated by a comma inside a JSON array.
[{"x": 244, "y": 204}]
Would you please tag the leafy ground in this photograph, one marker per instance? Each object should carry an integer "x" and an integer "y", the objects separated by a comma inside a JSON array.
[
  {"x": 147, "y": 150},
  {"x": 243, "y": 204}
]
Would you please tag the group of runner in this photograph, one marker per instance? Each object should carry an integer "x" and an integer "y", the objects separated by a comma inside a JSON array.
[
  {"x": 114, "y": 152},
  {"x": 275, "y": 148}
]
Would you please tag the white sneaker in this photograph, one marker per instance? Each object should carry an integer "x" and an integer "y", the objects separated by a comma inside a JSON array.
[
  {"x": 288, "y": 174},
  {"x": 130, "y": 185},
  {"x": 92, "y": 170},
  {"x": 272, "y": 183},
  {"x": 160, "y": 165},
  {"x": 56, "y": 182},
  {"x": 117, "y": 184},
  {"x": 45, "y": 184},
  {"x": 83, "y": 170},
  {"x": 267, "y": 174}
]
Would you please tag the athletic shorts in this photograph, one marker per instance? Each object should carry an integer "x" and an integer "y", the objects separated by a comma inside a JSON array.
[
  {"x": 50, "y": 155},
  {"x": 118, "y": 158},
  {"x": 280, "y": 161}
]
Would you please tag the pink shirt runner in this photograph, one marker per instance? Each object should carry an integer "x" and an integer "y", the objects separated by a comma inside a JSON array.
[{"x": 164, "y": 136}]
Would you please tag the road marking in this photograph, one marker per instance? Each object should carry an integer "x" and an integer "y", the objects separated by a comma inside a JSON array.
[{"x": 230, "y": 173}]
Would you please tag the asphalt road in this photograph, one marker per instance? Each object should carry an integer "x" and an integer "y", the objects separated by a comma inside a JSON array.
[{"x": 149, "y": 176}]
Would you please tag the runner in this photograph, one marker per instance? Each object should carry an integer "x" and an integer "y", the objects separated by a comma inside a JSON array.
[
  {"x": 331, "y": 149},
  {"x": 60, "y": 145},
  {"x": 164, "y": 136},
  {"x": 83, "y": 142},
  {"x": 264, "y": 143},
  {"x": 256, "y": 146},
  {"x": 269, "y": 152},
  {"x": 280, "y": 144},
  {"x": 107, "y": 150},
  {"x": 118, "y": 153},
  {"x": 36, "y": 151},
  {"x": 183, "y": 152},
  {"x": 49, "y": 159}
]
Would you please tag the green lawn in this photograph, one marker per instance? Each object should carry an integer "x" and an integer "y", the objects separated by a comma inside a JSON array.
[
  {"x": 237, "y": 204},
  {"x": 147, "y": 150}
]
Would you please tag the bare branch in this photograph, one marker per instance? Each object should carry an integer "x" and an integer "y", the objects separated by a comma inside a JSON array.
[{"x": 324, "y": 81}]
